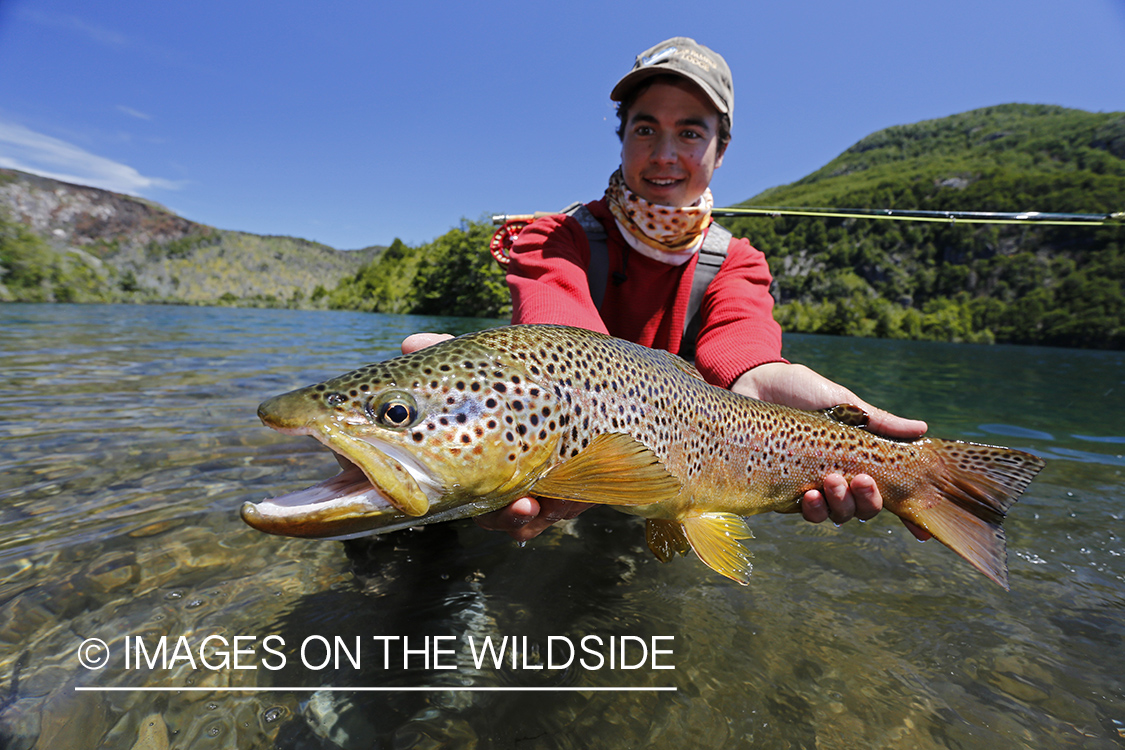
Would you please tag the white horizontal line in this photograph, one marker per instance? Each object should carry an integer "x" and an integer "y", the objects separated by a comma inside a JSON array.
[{"x": 412, "y": 689}]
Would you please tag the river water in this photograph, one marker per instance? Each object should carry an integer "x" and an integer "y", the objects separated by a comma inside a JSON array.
[{"x": 128, "y": 441}]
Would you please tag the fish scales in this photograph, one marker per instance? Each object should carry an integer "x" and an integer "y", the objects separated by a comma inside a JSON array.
[
  {"x": 729, "y": 458},
  {"x": 470, "y": 424}
]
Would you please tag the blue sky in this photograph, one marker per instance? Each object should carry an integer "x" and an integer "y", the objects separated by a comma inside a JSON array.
[{"x": 355, "y": 123}]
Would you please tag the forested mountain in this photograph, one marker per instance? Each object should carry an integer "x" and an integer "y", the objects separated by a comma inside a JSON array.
[{"x": 957, "y": 281}]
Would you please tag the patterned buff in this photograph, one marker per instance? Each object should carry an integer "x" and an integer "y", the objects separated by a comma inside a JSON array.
[{"x": 664, "y": 228}]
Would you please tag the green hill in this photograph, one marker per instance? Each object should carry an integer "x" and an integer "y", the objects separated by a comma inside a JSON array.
[{"x": 1022, "y": 284}]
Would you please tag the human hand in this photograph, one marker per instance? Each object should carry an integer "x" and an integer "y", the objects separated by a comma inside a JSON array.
[
  {"x": 526, "y": 517},
  {"x": 802, "y": 388}
]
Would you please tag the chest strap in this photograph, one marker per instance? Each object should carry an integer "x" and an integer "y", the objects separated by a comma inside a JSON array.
[{"x": 711, "y": 257}]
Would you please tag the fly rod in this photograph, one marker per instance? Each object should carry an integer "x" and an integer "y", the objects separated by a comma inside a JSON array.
[
  {"x": 512, "y": 224},
  {"x": 967, "y": 217}
]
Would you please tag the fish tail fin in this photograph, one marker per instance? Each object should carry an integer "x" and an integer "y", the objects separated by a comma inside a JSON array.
[{"x": 965, "y": 504}]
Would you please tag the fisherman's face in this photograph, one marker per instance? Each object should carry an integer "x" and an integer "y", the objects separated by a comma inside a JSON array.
[{"x": 670, "y": 146}]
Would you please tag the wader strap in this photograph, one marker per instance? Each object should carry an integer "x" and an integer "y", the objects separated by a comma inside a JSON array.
[
  {"x": 598, "y": 270},
  {"x": 711, "y": 257}
]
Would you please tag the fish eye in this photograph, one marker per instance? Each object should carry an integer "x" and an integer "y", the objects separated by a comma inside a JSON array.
[
  {"x": 394, "y": 411},
  {"x": 395, "y": 415}
]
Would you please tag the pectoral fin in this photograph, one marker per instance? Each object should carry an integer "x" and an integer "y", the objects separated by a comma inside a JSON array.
[
  {"x": 614, "y": 469},
  {"x": 715, "y": 538},
  {"x": 665, "y": 539}
]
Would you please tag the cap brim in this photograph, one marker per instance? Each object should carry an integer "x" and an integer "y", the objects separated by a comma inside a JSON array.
[{"x": 633, "y": 78}]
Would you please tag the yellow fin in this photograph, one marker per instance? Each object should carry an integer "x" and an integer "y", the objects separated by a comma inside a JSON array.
[
  {"x": 715, "y": 538},
  {"x": 614, "y": 469},
  {"x": 665, "y": 539}
]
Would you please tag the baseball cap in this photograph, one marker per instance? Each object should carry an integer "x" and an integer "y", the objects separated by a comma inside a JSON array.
[{"x": 683, "y": 57}]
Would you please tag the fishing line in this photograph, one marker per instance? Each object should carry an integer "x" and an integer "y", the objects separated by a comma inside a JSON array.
[
  {"x": 949, "y": 217},
  {"x": 892, "y": 214}
]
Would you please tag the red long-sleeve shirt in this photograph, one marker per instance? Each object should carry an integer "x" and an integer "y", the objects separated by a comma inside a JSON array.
[{"x": 547, "y": 279}]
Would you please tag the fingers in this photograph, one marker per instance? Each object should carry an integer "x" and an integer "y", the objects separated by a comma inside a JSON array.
[
  {"x": 865, "y": 495},
  {"x": 416, "y": 341},
  {"x": 527, "y": 518},
  {"x": 887, "y": 424},
  {"x": 842, "y": 501}
]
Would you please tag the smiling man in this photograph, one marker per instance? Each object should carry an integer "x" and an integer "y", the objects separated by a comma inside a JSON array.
[{"x": 646, "y": 263}]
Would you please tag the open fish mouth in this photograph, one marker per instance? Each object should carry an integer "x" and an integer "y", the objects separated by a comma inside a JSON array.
[
  {"x": 350, "y": 504},
  {"x": 334, "y": 508}
]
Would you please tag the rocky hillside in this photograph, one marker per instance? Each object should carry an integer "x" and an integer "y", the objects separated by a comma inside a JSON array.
[{"x": 73, "y": 243}]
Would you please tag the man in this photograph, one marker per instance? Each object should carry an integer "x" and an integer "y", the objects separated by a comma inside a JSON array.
[{"x": 675, "y": 113}]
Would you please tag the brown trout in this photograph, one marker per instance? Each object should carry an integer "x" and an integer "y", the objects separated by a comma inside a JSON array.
[{"x": 468, "y": 425}]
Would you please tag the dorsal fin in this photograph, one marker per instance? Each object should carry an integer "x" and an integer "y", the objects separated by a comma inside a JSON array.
[{"x": 687, "y": 367}]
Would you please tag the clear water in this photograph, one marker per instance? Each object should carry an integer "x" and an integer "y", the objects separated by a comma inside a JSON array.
[{"x": 128, "y": 440}]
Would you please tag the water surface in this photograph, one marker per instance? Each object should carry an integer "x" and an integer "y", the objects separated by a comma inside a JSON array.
[{"x": 128, "y": 440}]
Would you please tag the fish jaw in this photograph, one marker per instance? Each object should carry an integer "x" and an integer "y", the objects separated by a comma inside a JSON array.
[
  {"x": 344, "y": 506},
  {"x": 380, "y": 484}
]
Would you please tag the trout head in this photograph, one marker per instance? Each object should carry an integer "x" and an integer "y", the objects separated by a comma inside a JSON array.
[{"x": 450, "y": 431}]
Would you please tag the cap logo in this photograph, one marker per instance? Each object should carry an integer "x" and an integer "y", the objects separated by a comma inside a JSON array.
[
  {"x": 699, "y": 60},
  {"x": 660, "y": 56}
]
